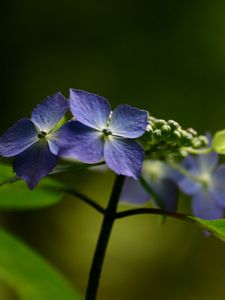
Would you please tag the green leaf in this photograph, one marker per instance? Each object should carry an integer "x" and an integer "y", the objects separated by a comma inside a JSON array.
[
  {"x": 28, "y": 274},
  {"x": 216, "y": 227},
  {"x": 218, "y": 142},
  {"x": 18, "y": 196}
]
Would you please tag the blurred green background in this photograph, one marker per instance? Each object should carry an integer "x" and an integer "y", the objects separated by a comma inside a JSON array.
[{"x": 164, "y": 56}]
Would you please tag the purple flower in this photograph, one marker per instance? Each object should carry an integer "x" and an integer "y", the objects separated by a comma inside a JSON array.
[
  {"x": 162, "y": 180},
  {"x": 32, "y": 141},
  {"x": 206, "y": 185},
  {"x": 98, "y": 132}
]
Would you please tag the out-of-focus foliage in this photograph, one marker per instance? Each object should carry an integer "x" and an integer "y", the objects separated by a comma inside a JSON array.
[
  {"x": 17, "y": 196},
  {"x": 28, "y": 274},
  {"x": 218, "y": 142}
]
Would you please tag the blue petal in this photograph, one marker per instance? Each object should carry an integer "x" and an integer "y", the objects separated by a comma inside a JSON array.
[
  {"x": 167, "y": 191},
  {"x": 18, "y": 138},
  {"x": 128, "y": 121},
  {"x": 205, "y": 206},
  {"x": 133, "y": 192},
  {"x": 47, "y": 114},
  {"x": 80, "y": 142},
  {"x": 189, "y": 186},
  {"x": 218, "y": 185},
  {"x": 207, "y": 162},
  {"x": 34, "y": 163},
  {"x": 190, "y": 163},
  {"x": 90, "y": 109},
  {"x": 124, "y": 156}
]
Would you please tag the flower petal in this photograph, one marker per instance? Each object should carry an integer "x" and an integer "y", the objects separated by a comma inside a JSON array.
[
  {"x": 90, "y": 109},
  {"x": 124, "y": 156},
  {"x": 167, "y": 191},
  {"x": 218, "y": 186},
  {"x": 80, "y": 142},
  {"x": 34, "y": 163},
  {"x": 133, "y": 192},
  {"x": 128, "y": 121},
  {"x": 205, "y": 206},
  {"x": 47, "y": 114},
  {"x": 208, "y": 162},
  {"x": 189, "y": 186},
  {"x": 18, "y": 138},
  {"x": 189, "y": 163}
]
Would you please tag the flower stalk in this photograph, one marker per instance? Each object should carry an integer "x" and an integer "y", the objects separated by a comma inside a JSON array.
[{"x": 106, "y": 229}]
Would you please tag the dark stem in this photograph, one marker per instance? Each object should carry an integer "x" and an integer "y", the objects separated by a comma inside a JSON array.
[
  {"x": 79, "y": 195},
  {"x": 107, "y": 224},
  {"x": 85, "y": 199},
  {"x": 152, "y": 211}
]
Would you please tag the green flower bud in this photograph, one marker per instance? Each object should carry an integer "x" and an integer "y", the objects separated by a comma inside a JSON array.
[
  {"x": 192, "y": 131},
  {"x": 196, "y": 143},
  {"x": 160, "y": 123},
  {"x": 176, "y": 134},
  {"x": 185, "y": 135},
  {"x": 157, "y": 133},
  {"x": 166, "y": 129},
  {"x": 173, "y": 124},
  {"x": 204, "y": 140}
]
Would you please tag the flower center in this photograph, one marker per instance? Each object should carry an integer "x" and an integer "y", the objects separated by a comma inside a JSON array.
[
  {"x": 107, "y": 132},
  {"x": 205, "y": 179},
  {"x": 154, "y": 169},
  {"x": 42, "y": 135}
]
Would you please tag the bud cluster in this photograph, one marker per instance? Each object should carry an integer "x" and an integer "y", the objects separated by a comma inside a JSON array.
[{"x": 165, "y": 138}]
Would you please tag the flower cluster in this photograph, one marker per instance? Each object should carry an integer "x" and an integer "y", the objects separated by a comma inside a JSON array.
[
  {"x": 199, "y": 177},
  {"x": 205, "y": 183},
  {"x": 161, "y": 179},
  {"x": 122, "y": 138},
  {"x": 96, "y": 133}
]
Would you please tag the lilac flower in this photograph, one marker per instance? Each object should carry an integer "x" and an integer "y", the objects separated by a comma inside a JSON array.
[
  {"x": 161, "y": 178},
  {"x": 98, "y": 132},
  {"x": 32, "y": 141},
  {"x": 206, "y": 185}
]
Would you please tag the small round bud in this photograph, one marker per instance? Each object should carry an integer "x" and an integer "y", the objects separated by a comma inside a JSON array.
[
  {"x": 186, "y": 136},
  {"x": 166, "y": 129},
  {"x": 157, "y": 133},
  {"x": 192, "y": 131},
  {"x": 196, "y": 143},
  {"x": 159, "y": 123},
  {"x": 173, "y": 124},
  {"x": 176, "y": 134},
  {"x": 204, "y": 140}
]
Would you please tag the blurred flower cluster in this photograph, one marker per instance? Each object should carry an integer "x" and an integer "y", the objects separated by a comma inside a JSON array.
[{"x": 200, "y": 177}]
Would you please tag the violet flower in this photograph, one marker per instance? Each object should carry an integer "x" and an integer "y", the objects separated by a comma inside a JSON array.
[
  {"x": 32, "y": 141},
  {"x": 98, "y": 132},
  {"x": 206, "y": 185},
  {"x": 163, "y": 181}
]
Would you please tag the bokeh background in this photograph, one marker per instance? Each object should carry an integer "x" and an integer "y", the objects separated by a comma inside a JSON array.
[{"x": 164, "y": 56}]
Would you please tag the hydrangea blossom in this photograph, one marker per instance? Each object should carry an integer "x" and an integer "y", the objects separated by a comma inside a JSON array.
[
  {"x": 206, "y": 185},
  {"x": 32, "y": 141},
  {"x": 97, "y": 132},
  {"x": 163, "y": 181}
]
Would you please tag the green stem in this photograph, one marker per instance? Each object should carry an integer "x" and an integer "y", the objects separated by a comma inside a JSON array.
[
  {"x": 151, "y": 192},
  {"x": 184, "y": 171},
  {"x": 100, "y": 251},
  {"x": 197, "y": 151}
]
